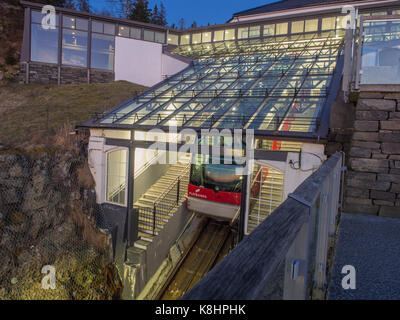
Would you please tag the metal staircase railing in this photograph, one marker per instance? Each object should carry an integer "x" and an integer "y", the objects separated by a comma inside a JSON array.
[{"x": 151, "y": 219}]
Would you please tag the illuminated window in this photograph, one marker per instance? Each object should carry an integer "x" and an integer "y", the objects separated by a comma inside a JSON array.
[
  {"x": 185, "y": 39},
  {"x": 254, "y": 32},
  {"x": 196, "y": 38},
  {"x": 219, "y": 35},
  {"x": 123, "y": 31},
  {"x": 243, "y": 33},
  {"x": 329, "y": 23},
  {"x": 381, "y": 13},
  {"x": 206, "y": 37},
  {"x": 230, "y": 34},
  {"x": 281, "y": 28},
  {"x": 311, "y": 25},
  {"x": 173, "y": 39},
  {"x": 269, "y": 30},
  {"x": 116, "y": 176},
  {"x": 297, "y": 26}
]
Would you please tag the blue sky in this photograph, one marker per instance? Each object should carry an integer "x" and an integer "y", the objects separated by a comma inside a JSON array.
[{"x": 201, "y": 11}]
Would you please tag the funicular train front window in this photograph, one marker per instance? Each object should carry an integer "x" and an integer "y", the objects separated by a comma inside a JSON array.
[{"x": 218, "y": 177}]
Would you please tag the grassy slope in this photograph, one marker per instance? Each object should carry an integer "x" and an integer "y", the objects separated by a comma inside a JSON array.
[{"x": 23, "y": 108}]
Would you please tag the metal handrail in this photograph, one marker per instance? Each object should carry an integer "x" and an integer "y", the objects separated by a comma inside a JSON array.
[{"x": 173, "y": 185}]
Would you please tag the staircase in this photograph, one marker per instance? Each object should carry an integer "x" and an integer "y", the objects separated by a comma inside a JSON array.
[
  {"x": 269, "y": 198},
  {"x": 159, "y": 203}
]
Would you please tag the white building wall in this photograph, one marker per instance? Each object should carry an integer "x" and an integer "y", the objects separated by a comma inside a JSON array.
[
  {"x": 171, "y": 66},
  {"x": 97, "y": 160},
  {"x": 143, "y": 62}
]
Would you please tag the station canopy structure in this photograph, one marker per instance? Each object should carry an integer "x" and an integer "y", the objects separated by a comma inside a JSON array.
[{"x": 278, "y": 84}]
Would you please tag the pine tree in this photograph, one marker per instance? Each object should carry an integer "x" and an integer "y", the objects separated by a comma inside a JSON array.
[
  {"x": 140, "y": 11},
  {"x": 163, "y": 15},
  {"x": 70, "y": 4},
  {"x": 120, "y": 8},
  {"x": 83, "y": 5},
  {"x": 181, "y": 24},
  {"x": 155, "y": 16}
]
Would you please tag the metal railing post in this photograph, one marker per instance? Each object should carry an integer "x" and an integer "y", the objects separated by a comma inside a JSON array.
[
  {"x": 177, "y": 192},
  {"x": 154, "y": 219},
  {"x": 321, "y": 255}
]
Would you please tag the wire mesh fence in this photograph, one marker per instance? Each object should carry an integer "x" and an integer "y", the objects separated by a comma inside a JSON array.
[{"x": 54, "y": 242}]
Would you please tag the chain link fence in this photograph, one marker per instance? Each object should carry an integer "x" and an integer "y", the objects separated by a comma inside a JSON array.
[{"x": 54, "y": 243}]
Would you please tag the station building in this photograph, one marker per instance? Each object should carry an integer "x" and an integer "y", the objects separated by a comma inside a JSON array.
[{"x": 276, "y": 73}]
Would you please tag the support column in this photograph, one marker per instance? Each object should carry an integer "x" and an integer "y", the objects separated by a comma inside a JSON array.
[{"x": 132, "y": 220}]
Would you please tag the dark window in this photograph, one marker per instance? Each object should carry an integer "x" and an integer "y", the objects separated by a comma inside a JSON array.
[
  {"x": 44, "y": 42},
  {"x": 109, "y": 29},
  {"x": 74, "y": 48},
  {"x": 102, "y": 56}
]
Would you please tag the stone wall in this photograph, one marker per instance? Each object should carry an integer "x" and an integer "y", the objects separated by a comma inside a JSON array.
[
  {"x": 373, "y": 179},
  {"x": 49, "y": 74}
]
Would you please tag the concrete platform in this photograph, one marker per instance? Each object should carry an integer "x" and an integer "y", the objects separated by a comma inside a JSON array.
[{"x": 372, "y": 245}]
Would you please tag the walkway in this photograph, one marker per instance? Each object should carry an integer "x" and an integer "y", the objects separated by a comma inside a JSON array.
[{"x": 372, "y": 245}]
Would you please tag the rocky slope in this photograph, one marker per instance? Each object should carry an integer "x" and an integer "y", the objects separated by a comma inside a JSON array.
[{"x": 48, "y": 216}]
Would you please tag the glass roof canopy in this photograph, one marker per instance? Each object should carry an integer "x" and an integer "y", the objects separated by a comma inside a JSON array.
[{"x": 271, "y": 84}]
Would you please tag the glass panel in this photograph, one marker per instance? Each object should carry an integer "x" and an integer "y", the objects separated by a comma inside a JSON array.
[
  {"x": 196, "y": 38},
  {"x": 219, "y": 35},
  {"x": 311, "y": 25},
  {"x": 341, "y": 22},
  {"x": 173, "y": 39},
  {"x": 97, "y": 27},
  {"x": 329, "y": 23},
  {"x": 116, "y": 176},
  {"x": 281, "y": 28},
  {"x": 269, "y": 30},
  {"x": 185, "y": 39},
  {"x": 159, "y": 37},
  {"x": 74, "y": 48},
  {"x": 68, "y": 22},
  {"x": 82, "y": 24},
  {"x": 37, "y": 17},
  {"x": 254, "y": 32},
  {"x": 297, "y": 27},
  {"x": 109, "y": 28},
  {"x": 243, "y": 33},
  {"x": 44, "y": 44},
  {"x": 380, "y": 13},
  {"x": 148, "y": 35},
  {"x": 381, "y": 53},
  {"x": 206, "y": 37},
  {"x": 102, "y": 56},
  {"x": 136, "y": 33},
  {"x": 230, "y": 34},
  {"x": 123, "y": 31}
]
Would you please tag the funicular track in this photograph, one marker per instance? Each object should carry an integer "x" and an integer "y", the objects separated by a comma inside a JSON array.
[{"x": 214, "y": 242}]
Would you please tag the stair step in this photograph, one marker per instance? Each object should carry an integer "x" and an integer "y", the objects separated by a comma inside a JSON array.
[
  {"x": 141, "y": 244},
  {"x": 145, "y": 236},
  {"x": 149, "y": 229}
]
